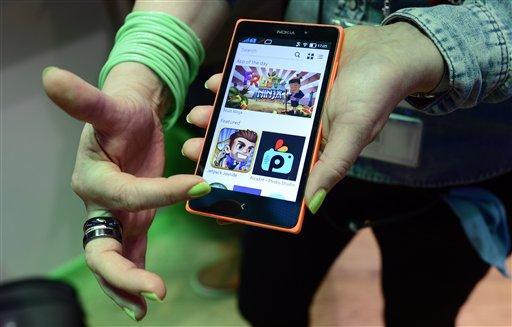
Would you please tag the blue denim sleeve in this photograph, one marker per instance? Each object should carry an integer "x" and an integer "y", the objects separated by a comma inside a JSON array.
[{"x": 475, "y": 40}]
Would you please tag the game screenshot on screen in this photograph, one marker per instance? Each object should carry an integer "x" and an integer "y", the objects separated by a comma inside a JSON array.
[{"x": 277, "y": 91}]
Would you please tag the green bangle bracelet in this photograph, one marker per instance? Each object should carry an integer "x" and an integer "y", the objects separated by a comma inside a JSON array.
[
  {"x": 161, "y": 69},
  {"x": 145, "y": 38},
  {"x": 182, "y": 25},
  {"x": 164, "y": 44},
  {"x": 143, "y": 60},
  {"x": 160, "y": 17},
  {"x": 168, "y": 63},
  {"x": 166, "y": 34}
]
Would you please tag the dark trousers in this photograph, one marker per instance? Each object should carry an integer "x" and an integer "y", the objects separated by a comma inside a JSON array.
[{"x": 429, "y": 268}]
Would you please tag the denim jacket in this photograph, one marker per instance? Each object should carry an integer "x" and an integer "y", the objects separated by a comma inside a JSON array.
[{"x": 467, "y": 130}]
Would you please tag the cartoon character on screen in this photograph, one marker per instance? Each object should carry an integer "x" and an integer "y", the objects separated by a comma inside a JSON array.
[
  {"x": 272, "y": 80},
  {"x": 237, "y": 153},
  {"x": 247, "y": 77},
  {"x": 237, "y": 98},
  {"x": 276, "y": 80},
  {"x": 295, "y": 95},
  {"x": 254, "y": 79}
]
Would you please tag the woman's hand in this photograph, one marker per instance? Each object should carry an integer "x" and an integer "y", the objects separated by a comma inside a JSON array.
[
  {"x": 379, "y": 67},
  {"x": 119, "y": 165}
]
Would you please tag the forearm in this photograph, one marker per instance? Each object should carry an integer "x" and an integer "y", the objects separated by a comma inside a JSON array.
[{"x": 475, "y": 40}]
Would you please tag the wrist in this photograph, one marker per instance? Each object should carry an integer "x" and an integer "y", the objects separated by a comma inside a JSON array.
[
  {"x": 422, "y": 65},
  {"x": 166, "y": 45},
  {"x": 140, "y": 84}
]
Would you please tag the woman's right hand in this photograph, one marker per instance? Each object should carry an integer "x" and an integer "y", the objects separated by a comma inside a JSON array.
[{"x": 119, "y": 165}]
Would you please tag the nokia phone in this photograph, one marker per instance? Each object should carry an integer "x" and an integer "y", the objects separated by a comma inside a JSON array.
[{"x": 264, "y": 133}]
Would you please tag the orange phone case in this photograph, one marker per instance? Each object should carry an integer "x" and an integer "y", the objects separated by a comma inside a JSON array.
[{"x": 296, "y": 229}]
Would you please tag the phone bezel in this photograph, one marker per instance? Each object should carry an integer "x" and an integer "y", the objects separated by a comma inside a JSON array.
[{"x": 223, "y": 203}]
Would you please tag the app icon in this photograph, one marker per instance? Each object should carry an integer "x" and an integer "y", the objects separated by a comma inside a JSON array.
[
  {"x": 234, "y": 149},
  {"x": 279, "y": 155},
  {"x": 278, "y": 159}
]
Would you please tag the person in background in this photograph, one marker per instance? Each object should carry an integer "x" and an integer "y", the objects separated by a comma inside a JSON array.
[{"x": 431, "y": 255}]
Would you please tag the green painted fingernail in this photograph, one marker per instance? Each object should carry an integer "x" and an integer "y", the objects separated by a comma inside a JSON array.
[
  {"x": 130, "y": 313},
  {"x": 200, "y": 189},
  {"x": 316, "y": 200},
  {"x": 151, "y": 296},
  {"x": 187, "y": 118},
  {"x": 206, "y": 85},
  {"x": 47, "y": 69}
]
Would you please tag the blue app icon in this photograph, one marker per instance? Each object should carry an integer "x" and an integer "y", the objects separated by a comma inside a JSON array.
[
  {"x": 278, "y": 162},
  {"x": 279, "y": 155}
]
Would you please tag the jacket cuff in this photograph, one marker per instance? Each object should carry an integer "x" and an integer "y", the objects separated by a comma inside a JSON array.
[{"x": 473, "y": 43}]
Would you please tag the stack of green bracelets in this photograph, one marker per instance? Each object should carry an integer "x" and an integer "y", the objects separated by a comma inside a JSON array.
[{"x": 166, "y": 45}]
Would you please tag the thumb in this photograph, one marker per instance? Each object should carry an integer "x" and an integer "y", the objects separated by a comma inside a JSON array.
[
  {"x": 80, "y": 99},
  {"x": 346, "y": 140}
]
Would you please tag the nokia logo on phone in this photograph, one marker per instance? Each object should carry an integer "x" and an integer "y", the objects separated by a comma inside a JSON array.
[{"x": 285, "y": 32}]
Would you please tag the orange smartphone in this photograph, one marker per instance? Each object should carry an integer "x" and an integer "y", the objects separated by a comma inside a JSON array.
[{"x": 265, "y": 130}]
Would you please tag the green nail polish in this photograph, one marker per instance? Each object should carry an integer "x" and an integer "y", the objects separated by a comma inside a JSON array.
[
  {"x": 182, "y": 152},
  {"x": 47, "y": 69},
  {"x": 206, "y": 85},
  {"x": 316, "y": 200},
  {"x": 200, "y": 189},
  {"x": 151, "y": 296},
  {"x": 130, "y": 313},
  {"x": 187, "y": 118}
]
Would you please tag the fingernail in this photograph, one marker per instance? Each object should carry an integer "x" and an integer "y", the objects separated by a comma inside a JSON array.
[
  {"x": 200, "y": 189},
  {"x": 47, "y": 69},
  {"x": 187, "y": 118},
  {"x": 206, "y": 85},
  {"x": 182, "y": 152},
  {"x": 130, "y": 313},
  {"x": 316, "y": 200},
  {"x": 151, "y": 296}
]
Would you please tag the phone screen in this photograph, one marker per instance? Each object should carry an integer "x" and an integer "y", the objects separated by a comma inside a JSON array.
[{"x": 266, "y": 117}]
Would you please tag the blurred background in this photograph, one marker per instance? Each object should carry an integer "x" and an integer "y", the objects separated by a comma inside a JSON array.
[{"x": 41, "y": 218}]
